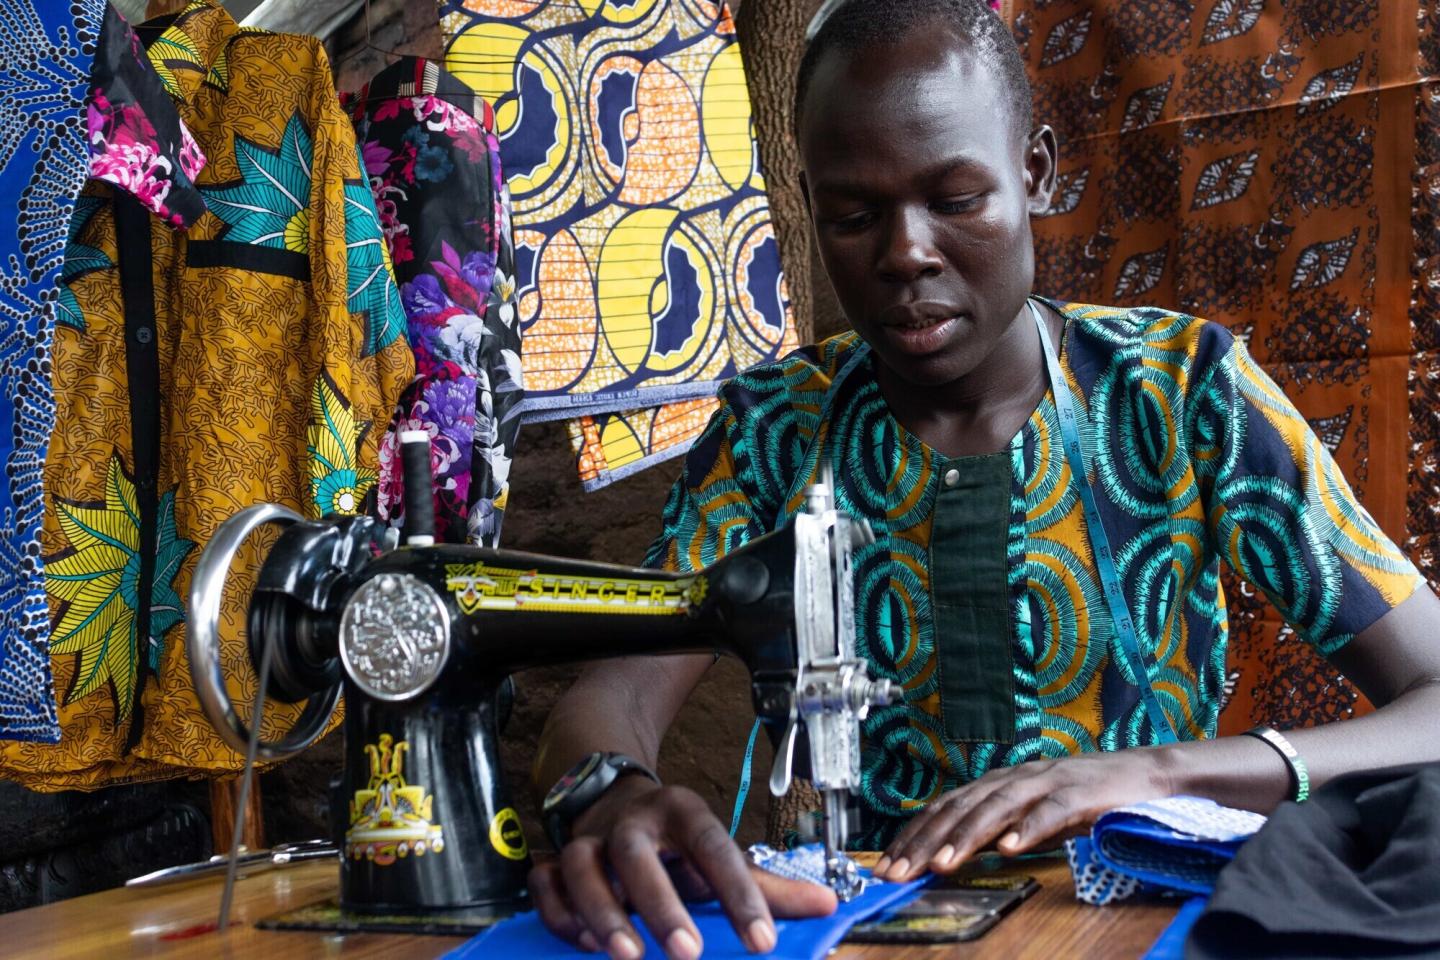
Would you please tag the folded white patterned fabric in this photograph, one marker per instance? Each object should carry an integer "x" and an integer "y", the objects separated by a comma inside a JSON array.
[{"x": 801, "y": 863}]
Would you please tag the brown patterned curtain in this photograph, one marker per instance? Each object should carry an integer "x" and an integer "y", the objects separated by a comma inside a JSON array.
[{"x": 1269, "y": 164}]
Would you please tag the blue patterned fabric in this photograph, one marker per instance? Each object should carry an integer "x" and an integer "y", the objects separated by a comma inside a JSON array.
[
  {"x": 1157, "y": 847},
  {"x": 77, "y": 99},
  {"x": 46, "y": 48}
]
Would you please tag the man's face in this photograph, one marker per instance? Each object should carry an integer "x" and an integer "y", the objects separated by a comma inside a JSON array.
[{"x": 921, "y": 190}]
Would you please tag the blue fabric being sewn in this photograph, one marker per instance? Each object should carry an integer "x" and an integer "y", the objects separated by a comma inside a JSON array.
[{"x": 525, "y": 936}]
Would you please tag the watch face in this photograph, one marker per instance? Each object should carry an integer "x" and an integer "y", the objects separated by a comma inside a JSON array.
[{"x": 575, "y": 775}]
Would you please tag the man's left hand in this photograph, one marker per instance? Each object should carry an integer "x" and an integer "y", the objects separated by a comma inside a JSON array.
[{"x": 1022, "y": 807}]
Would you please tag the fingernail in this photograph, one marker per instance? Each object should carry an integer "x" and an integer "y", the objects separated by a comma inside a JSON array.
[
  {"x": 680, "y": 945},
  {"x": 900, "y": 869},
  {"x": 587, "y": 942},
  {"x": 882, "y": 865},
  {"x": 623, "y": 946},
  {"x": 1010, "y": 840},
  {"x": 760, "y": 936},
  {"x": 944, "y": 856}
]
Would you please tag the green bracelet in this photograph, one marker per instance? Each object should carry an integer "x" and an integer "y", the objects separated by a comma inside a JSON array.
[{"x": 1299, "y": 775}]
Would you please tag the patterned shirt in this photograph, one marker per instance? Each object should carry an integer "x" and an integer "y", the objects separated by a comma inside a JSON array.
[
  {"x": 1196, "y": 456},
  {"x": 255, "y": 357},
  {"x": 68, "y": 109},
  {"x": 433, "y": 163}
]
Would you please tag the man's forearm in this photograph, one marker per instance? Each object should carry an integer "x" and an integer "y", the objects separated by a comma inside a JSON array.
[
  {"x": 589, "y": 720},
  {"x": 1244, "y": 772},
  {"x": 620, "y": 706}
]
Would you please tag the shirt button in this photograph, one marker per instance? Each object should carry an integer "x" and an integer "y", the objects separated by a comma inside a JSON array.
[
  {"x": 144, "y": 334},
  {"x": 952, "y": 479}
]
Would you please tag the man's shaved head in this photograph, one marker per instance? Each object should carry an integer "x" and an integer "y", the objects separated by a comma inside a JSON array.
[{"x": 856, "y": 25}]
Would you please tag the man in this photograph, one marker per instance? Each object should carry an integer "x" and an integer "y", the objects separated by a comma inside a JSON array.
[{"x": 1029, "y": 708}]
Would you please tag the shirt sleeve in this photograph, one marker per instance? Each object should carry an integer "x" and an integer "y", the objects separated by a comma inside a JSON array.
[
  {"x": 1279, "y": 510},
  {"x": 714, "y": 506}
]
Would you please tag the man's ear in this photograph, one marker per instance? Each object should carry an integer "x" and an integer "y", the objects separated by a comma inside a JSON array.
[{"x": 1041, "y": 164}]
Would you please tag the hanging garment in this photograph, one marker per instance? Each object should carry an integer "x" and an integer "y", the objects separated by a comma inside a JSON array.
[
  {"x": 256, "y": 357},
  {"x": 1253, "y": 163},
  {"x": 75, "y": 97},
  {"x": 433, "y": 164},
  {"x": 647, "y": 267}
]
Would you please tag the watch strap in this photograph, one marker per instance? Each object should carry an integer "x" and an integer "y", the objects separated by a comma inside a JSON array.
[{"x": 562, "y": 810}]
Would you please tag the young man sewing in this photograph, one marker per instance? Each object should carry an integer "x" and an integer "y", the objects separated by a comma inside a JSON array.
[{"x": 1029, "y": 708}]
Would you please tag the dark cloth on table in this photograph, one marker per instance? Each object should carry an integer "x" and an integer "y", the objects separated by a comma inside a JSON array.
[{"x": 1353, "y": 872}]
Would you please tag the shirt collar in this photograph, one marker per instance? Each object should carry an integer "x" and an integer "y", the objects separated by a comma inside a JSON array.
[{"x": 190, "y": 49}]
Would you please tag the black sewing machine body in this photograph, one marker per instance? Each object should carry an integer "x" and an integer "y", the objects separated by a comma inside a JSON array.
[{"x": 420, "y": 639}]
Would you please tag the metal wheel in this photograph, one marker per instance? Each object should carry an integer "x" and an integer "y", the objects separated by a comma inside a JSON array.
[{"x": 202, "y": 641}]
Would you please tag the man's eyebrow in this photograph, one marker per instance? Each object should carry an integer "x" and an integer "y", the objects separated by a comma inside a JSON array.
[{"x": 841, "y": 186}]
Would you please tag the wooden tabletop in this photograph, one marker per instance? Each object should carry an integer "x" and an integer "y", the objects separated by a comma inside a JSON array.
[{"x": 178, "y": 921}]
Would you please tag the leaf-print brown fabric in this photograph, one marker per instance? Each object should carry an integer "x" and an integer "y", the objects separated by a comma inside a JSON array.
[
  {"x": 1268, "y": 165},
  {"x": 280, "y": 348}
]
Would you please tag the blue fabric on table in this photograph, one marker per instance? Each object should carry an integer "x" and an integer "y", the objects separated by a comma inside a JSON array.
[
  {"x": 1159, "y": 846},
  {"x": 1171, "y": 944},
  {"x": 525, "y": 936}
]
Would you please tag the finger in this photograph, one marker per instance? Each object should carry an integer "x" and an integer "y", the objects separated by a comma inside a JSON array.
[
  {"x": 932, "y": 848},
  {"x": 994, "y": 816},
  {"x": 794, "y": 899},
  {"x": 708, "y": 847},
  {"x": 635, "y": 858},
  {"x": 1051, "y": 816},
  {"x": 956, "y": 802},
  {"x": 555, "y": 909},
  {"x": 692, "y": 887},
  {"x": 912, "y": 828},
  {"x": 583, "y": 869}
]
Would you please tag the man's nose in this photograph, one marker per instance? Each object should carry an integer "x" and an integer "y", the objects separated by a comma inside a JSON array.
[{"x": 909, "y": 251}]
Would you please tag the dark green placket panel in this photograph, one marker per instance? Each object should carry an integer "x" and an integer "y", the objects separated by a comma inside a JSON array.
[{"x": 972, "y": 599}]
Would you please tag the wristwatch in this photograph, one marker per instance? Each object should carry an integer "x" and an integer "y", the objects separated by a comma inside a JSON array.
[{"x": 581, "y": 786}]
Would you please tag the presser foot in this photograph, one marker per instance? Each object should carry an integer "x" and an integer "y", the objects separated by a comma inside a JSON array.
[{"x": 843, "y": 876}]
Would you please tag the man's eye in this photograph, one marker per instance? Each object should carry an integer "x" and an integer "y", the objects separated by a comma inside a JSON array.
[
  {"x": 955, "y": 205},
  {"x": 853, "y": 222}
]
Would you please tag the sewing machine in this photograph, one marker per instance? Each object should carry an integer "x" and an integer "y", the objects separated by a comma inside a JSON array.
[{"x": 420, "y": 636}]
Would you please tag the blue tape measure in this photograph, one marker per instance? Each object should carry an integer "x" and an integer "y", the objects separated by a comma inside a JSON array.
[
  {"x": 744, "y": 790},
  {"x": 1099, "y": 541}
]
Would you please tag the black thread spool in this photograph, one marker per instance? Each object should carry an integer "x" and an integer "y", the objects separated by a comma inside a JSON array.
[{"x": 419, "y": 528}]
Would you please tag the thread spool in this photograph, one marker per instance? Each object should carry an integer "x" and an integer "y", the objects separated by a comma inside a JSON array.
[{"x": 419, "y": 528}]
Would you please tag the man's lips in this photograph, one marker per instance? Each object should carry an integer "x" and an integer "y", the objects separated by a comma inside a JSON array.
[
  {"x": 922, "y": 335},
  {"x": 918, "y": 323}
]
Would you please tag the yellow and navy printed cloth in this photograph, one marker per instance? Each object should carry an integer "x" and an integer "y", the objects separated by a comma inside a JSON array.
[
  {"x": 1197, "y": 458},
  {"x": 646, "y": 264}
]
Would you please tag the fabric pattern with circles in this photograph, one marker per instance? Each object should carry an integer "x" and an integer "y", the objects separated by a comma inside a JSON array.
[
  {"x": 1243, "y": 483},
  {"x": 647, "y": 266}
]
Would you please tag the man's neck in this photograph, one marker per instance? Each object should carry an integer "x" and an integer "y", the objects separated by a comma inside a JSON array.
[{"x": 981, "y": 412}]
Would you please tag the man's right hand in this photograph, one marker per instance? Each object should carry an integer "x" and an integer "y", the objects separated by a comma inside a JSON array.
[{"x": 650, "y": 848}]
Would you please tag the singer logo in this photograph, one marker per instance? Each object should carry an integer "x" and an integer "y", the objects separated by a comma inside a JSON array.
[{"x": 480, "y": 586}]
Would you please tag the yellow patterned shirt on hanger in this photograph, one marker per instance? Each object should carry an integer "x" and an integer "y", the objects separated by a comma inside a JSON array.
[{"x": 256, "y": 357}]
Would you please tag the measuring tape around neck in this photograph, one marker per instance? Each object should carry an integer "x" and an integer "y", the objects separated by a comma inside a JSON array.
[{"x": 1099, "y": 542}]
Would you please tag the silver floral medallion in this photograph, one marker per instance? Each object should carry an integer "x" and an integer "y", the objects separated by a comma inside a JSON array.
[{"x": 394, "y": 636}]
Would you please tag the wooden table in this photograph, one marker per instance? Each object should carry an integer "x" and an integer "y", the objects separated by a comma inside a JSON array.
[{"x": 177, "y": 921}]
